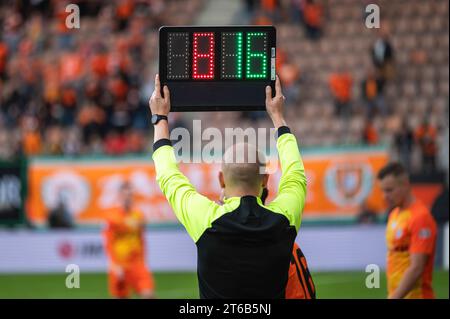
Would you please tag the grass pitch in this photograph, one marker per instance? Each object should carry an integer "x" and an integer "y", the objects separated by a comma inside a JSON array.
[{"x": 184, "y": 285}]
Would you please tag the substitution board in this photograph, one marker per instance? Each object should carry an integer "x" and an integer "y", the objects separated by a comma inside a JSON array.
[{"x": 217, "y": 68}]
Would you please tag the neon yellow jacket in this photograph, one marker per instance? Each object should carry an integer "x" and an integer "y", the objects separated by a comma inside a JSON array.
[
  {"x": 196, "y": 212},
  {"x": 244, "y": 247}
]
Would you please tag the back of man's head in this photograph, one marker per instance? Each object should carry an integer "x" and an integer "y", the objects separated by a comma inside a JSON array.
[{"x": 243, "y": 166}]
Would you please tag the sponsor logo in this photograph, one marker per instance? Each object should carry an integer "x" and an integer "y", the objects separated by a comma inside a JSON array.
[
  {"x": 88, "y": 249},
  {"x": 348, "y": 184},
  {"x": 424, "y": 233}
]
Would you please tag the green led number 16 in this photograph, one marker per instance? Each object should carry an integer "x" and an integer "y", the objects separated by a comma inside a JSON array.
[
  {"x": 256, "y": 55},
  {"x": 252, "y": 54}
]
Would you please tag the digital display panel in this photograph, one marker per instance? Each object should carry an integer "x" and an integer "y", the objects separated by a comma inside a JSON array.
[
  {"x": 178, "y": 56},
  {"x": 231, "y": 55},
  {"x": 203, "y": 61},
  {"x": 217, "y": 68}
]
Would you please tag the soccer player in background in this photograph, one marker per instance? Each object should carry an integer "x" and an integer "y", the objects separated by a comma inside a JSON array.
[
  {"x": 410, "y": 235},
  {"x": 300, "y": 283},
  {"x": 125, "y": 246}
]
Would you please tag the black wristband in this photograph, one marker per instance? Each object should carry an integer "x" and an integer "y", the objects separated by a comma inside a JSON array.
[
  {"x": 282, "y": 130},
  {"x": 161, "y": 142}
]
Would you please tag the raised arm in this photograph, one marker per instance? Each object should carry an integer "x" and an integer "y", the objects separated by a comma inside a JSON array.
[
  {"x": 193, "y": 210},
  {"x": 291, "y": 196}
]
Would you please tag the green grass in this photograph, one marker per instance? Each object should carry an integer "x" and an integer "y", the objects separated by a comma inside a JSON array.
[
  {"x": 352, "y": 285},
  {"x": 184, "y": 285}
]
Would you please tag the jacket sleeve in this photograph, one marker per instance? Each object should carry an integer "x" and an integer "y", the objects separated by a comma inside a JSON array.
[
  {"x": 192, "y": 209},
  {"x": 291, "y": 196}
]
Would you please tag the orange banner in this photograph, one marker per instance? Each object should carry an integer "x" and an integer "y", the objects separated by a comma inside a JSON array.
[{"x": 337, "y": 184}]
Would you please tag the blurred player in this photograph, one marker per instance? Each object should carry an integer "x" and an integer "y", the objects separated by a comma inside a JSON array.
[
  {"x": 125, "y": 245},
  {"x": 300, "y": 283},
  {"x": 244, "y": 247},
  {"x": 410, "y": 235}
]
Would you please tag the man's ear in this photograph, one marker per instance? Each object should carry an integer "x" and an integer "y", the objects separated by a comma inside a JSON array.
[
  {"x": 221, "y": 180},
  {"x": 265, "y": 180}
]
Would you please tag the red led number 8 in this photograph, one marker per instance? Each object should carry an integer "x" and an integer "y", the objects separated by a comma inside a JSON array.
[{"x": 203, "y": 64}]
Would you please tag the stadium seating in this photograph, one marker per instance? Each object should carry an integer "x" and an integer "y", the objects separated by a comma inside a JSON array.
[
  {"x": 418, "y": 89},
  {"x": 418, "y": 32}
]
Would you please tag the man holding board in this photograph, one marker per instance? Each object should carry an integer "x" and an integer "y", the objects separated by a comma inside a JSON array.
[{"x": 244, "y": 247}]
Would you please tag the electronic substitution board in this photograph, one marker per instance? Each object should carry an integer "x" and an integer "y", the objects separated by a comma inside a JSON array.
[{"x": 217, "y": 68}]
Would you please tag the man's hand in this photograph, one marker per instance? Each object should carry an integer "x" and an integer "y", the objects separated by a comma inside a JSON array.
[
  {"x": 158, "y": 104},
  {"x": 274, "y": 106},
  {"x": 161, "y": 106}
]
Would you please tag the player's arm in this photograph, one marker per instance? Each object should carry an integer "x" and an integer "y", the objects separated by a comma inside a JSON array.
[
  {"x": 192, "y": 209},
  {"x": 113, "y": 225},
  {"x": 412, "y": 274},
  {"x": 292, "y": 188},
  {"x": 423, "y": 239}
]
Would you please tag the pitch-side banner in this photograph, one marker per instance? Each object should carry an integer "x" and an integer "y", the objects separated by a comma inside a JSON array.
[
  {"x": 11, "y": 192},
  {"x": 338, "y": 182},
  {"x": 28, "y": 251}
]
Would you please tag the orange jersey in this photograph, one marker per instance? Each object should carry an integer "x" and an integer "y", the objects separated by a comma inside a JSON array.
[
  {"x": 124, "y": 236},
  {"x": 300, "y": 284},
  {"x": 409, "y": 231},
  {"x": 135, "y": 278},
  {"x": 341, "y": 86}
]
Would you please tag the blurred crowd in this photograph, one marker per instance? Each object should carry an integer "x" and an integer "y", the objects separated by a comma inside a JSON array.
[
  {"x": 80, "y": 91},
  {"x": 357, "y": 85},
  {"x": 85, "y": 91}
]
